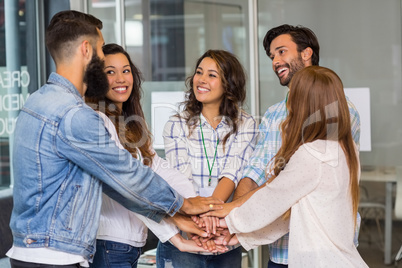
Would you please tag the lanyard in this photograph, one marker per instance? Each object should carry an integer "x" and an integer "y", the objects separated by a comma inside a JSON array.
[
  {"x": 287, "y": 95},
  {"x": 205, "y": 150}
]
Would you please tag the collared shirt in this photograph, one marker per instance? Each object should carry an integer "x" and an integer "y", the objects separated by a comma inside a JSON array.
[
  {"x": 268, "y": 143},
  {"x": 187, "y": 152}
]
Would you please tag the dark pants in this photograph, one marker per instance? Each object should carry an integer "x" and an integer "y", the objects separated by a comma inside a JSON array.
[
  {"x": 276, "y": 265},
  {"x": 21, "y": 264},
  {"x": 168, "y": 255}
]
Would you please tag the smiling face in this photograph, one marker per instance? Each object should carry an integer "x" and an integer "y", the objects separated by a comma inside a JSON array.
[
  {"x": 286, "y": 60},
  {"x": 207, "y": 83},
  {"x": 119, "y": 74}
]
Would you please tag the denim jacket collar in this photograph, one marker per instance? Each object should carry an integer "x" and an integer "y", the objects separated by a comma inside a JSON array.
[{"x": 63, "y": 82}]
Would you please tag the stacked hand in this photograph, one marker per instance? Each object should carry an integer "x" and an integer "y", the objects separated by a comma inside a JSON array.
[
  {"x": 205, "y": 234},
  {"x": 207, "y": 228},
  {"x": 197, "y": 205},
  {"x": 218, "y": 234}
]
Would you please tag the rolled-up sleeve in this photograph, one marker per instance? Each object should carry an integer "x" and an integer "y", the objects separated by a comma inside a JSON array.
[{"x": 240, "y": 150}]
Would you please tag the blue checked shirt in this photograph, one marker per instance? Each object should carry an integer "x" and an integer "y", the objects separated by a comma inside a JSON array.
[
  {"x": 186, "y": 152},
  {"x": 268, "y": 143}
]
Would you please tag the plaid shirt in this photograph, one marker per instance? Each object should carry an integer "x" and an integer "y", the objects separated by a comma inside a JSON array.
[
  {"x": 186, "y": 152},
  {"x": 268, "y": 143}
]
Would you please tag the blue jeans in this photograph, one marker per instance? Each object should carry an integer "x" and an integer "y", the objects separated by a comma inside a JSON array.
[
  {"x": 168, "y": 255},
  {"x": 276, "y": 265},
  {"x": 110, "y": 254}
]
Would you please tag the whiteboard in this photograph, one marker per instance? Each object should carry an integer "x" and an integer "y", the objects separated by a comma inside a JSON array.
[
  {"x": 163, "y": 105},
  {"x": 360, "y": 97}
]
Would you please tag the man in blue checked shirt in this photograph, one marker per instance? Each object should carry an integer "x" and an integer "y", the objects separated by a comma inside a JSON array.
[{"x": 290, "y": 48}]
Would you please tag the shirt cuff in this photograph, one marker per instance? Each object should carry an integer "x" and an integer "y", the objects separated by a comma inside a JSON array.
[
  {"x": 259, "y": 178},
  {"x": 230, "y": 177}
]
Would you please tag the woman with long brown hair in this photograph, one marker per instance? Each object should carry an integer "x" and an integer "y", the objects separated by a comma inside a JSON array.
[
  {"x": 210, "y": 142},
  {"x": 122, "y": 233},
  {"x": 313, "y": 193}
]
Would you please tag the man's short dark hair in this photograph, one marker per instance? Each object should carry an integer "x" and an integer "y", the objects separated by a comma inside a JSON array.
[
  {"x": 302, "y": 36},
  {"x": 66, "y": 27}
]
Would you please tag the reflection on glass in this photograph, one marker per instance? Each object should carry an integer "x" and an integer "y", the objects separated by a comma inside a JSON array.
[
  {"x": 105, "y": 10},
  {"x": 14, "y": 78}
]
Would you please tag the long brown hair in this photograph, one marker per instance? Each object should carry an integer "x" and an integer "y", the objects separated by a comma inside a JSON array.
[
  {"x": 318, "y": 110},
  {"x": 130, "y": 121},
  {"x": 234, "y": 84}
]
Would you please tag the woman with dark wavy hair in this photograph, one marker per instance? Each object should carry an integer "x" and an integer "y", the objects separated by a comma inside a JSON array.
[
  {"x": 122, "y": 233},
  {"x": 210, "y": 142},
  {"x": 123, "y": 106}
]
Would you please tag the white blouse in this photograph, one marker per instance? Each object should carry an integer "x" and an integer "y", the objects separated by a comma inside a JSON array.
[
  {"x": 124, "y": 226},
  {"x": 315, "y": 185}
]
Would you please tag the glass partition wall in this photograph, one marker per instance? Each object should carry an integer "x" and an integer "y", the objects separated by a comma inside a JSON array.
[
  {"x": 19, "y": 72},
  {"x": 24, "y": 65},
  {"x": 363, "y": 46},
  {"x": 165, "y": 38}
]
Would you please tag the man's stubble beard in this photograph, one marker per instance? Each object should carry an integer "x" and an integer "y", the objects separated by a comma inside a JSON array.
[
  {"x": 96, "y": 79},
  {"x": 293, "y": 67}
]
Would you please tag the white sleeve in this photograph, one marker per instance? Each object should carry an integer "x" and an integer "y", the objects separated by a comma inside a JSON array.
[
  {"x": 163, "y": 230},
  {"x": 299, "y": 178},
  {"x": 266, "y": 235}
]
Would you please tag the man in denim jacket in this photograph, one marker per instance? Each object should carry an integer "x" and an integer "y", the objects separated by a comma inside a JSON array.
[{"x": 63, "y": 157}]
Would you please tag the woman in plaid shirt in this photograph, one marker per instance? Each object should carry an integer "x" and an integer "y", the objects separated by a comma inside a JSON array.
[{"x": 210, "y": 142}]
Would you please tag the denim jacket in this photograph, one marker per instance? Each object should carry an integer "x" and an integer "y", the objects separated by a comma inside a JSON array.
[{"x": 62, "y": 157}]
